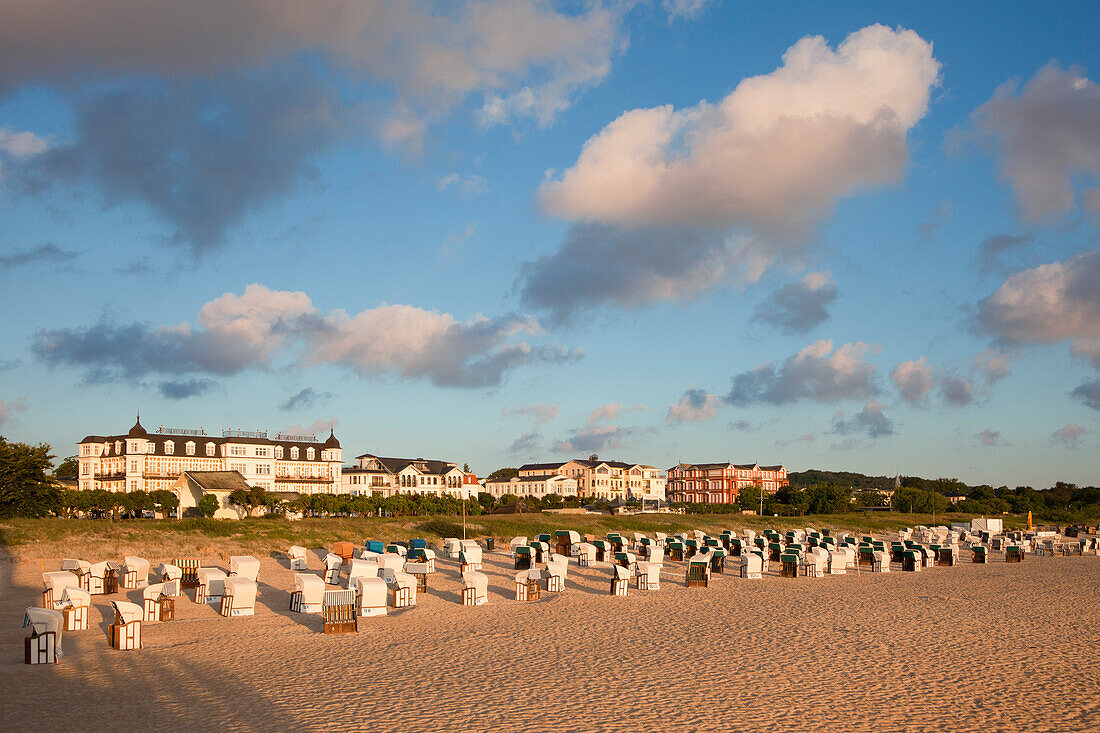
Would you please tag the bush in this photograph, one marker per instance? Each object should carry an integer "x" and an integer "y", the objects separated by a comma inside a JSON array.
[{"x": 443, "y": 527}]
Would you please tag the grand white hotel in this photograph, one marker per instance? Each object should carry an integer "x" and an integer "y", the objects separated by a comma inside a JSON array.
[{"x": 145, "y": 461}]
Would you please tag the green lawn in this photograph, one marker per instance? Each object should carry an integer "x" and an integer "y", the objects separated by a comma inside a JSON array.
[{"x": 55, "y": 538}]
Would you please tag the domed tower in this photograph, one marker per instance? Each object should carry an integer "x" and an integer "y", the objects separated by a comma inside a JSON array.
[{"x": 138, "y": 431}]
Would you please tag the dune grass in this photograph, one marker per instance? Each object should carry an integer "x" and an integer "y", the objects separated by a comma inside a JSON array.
[{"x": 34, "y": 539}]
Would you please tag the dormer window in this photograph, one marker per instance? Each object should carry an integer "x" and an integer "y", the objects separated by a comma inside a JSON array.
[
  {"x": 279, "y": 452},
  {"x": 118, "y": 446},
  {"x": 210, "y": 450},
  {"x": 310, "y": 454},
  {"x": 190, "y": 447},
  {"x": 169, "y": 447},
  {"x": 294, "y": 453}
]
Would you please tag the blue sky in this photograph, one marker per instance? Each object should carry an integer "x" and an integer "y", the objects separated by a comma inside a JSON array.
[{"x": 854, "y": 236}]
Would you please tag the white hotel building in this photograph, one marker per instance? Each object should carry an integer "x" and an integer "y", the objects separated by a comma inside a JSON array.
[{"x": 144, "y": 461}]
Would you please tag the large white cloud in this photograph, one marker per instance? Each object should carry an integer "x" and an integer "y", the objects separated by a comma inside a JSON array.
[
  {"x": 1055, "y": 302},
  {"x": 1045, "y": 135},
  {"x": 912, "y": 380},
  {"x": 262, "y": 327},
  {"x": 695, "y": 405},
  {"x": 818, "y": 373},
  {"x": 773, "y": 155}
]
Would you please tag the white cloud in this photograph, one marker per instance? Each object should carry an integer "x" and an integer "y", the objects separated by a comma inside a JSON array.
[
  {"x": 912, "y": 380},
  {"x": 773, "y": 155},
  {"x": 526, "y": 444},
  {"x": 468, "y": 185},
  {"x": 1069, "y": 436},
  {"x": 8, "y": 409},
  {"x": 21, "y": 144},
  {"x": 817, "y": 373},
  {"x": 1048, "y": 304},
  {"x": 263, "y": 326},
  {"x": 992, "y": 364},
  {"x": 990, "y": 438},
  {"x": 695, "y": 405},
  {"x": 539, "y": 412},
  {"x": 871, "y": 420},
  {"x": 687, "y": 9},
  {"x": 1045, "y": 135}
]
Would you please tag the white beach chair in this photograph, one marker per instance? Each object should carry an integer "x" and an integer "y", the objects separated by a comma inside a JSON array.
[
  {"x": 360, "y": 568},
  {"x": 475, "y": 588},
  {"x": 655, "y": 554},
  {"x": 661, "y": 537},
  {"x": 814, "y": 562},
  {"x": 881, "y": 562},
  {"x": 332, "y": 568},
  {"x": 150, "y": 598},
  {"x": 125, "y": 632},
  {"x": 297, "y": 556},
  {"x": 102, "y": 578},
  {"x": 452, "y": 546},
  {"x": 470, "y": 558},
  {"x": 370, "y": 595},
  {"x": 527, "y": 585},
  {"x": 75, "y": 603},
  {"x": 240, "y": 597},
  {"x": 391, "y": 561},
  {"x": 43, "y": 646},
  {"x": 211, "y": 586},
  {"x": 620, "y": 577},
  {"x": 82, "y": 569},
  {"x": 838, "y": 562},
  {"x": 309, "y": 593},
  {"x": 648, "y": 576},
  {"x": 554, "y": 574},
  {"x": 168, "y": 572},
  {"x": 849, "y": 556},
  {"x": 586, "y": 554},
  {"x": 516, "y": 542},
  {"x": 751, "y": 566},
  {"x": 244, "y": 566},
  {"x": 54, "y": 584},
  {"x": 402, "y": 589},
  {"x": 134, "y": 572}
]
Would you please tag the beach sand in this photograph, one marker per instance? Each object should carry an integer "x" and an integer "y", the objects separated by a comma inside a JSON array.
[{"x": 985, "y": 648}]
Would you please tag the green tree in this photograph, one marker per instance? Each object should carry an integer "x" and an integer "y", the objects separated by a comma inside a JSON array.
[
  {"x": 207, "y": 505},
  {"x": 164, "y": 500},
  {"x": 67, "y": 468},
  {"x": 25, "y": 489},
  {"x": 502, "y": 474}
]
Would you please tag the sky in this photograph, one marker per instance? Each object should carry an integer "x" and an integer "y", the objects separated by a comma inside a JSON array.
[{"x": 845, "y": 236}]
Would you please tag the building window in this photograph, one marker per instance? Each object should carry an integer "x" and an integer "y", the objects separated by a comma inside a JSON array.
[
  {"x": 294, "y": 453},
  {"x": 237, "y": 450},
  {"x": 263, "y": 469},
  {"x": 279, "y": 452},
  {"x": 261, "y": 452},
  {"x": 310, "y": 454},
  {"x": 190, "y": 447},
  {"x": 209, "y": 449},
  {"x": 169, "y": 447}
]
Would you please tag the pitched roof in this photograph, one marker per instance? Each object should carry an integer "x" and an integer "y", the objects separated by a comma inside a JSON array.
[
  {"x": 424, "y": 465},
  {"x": 218, "y": 480}
]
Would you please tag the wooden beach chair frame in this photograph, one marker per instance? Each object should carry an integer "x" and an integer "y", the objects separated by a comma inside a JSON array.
[{"x": 340, "y": 617}]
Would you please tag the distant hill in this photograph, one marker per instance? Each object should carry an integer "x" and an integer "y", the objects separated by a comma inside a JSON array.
[{"x": 843, "y": 479}]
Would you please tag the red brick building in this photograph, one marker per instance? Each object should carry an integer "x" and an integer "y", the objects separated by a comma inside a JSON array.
[{"x": 721, "y": 483}]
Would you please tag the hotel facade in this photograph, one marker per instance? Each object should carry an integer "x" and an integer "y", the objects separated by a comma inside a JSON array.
[
  {"x": 391, "y": 476},
  {"x": 721, "y": 483},
  {"x": 604, "y": 479},
  {"x": 144, "y": 461}
]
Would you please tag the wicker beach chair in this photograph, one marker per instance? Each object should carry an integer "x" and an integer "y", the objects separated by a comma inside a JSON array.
[
  {"x": 244, "y": 566},
  {"x": 402, "y": 588},
  {"x": 345, "y": 549},
  {"x": 239, "y": 598},
  {"x": 557, "y": 567},
  {"x": 697, "y": 574},
  {"x": 752, "y": 565},
  {"x": 309, "y": 593},
  {"x": 82, "y": 569},
  {"x": 167, "y": 572},
  {"x": 103, "y": 578},
  {"x": 158, "y": 601},
  {"x": 620, "y": 577},
  {"x": 189, "y": 571},
  {"x": 911, "y": 561},
  {"x": 134, "y": 572},
  {"x": 211, "y": 586},
  {"x": 880, "y": 562},
  {"x": 475, "y": 588},
  {"x": 75, "y": 603},
  {"x": 297, "y": 557},
  {"x": 332, "y": 568},
  {"x": 470, "y": 559},
  {"x": 54, "y": 584},
  {"x": 527, "y": 585},
  {"x": 788, "y": 565},
  {"x": 838, "y": 562},
  {"x": 338, "y": 612},
  {"x": 370, "y": 595},
  {"x": 125, "y": 632},
  {"x": 980, "y": 554},
  {"x": 43, "y": 646},
  {"x": 524, "y": 557},
  {"x": 1014, "y": 553},
  {"x": 814, "y": 562},
  {"x": 420, "y": 572},
  {"x": 648, "y": 576},
  {"x": 586, "y": 554}
]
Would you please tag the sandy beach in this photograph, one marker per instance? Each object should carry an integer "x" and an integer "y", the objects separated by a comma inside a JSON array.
[{"x": 985, "y": 648}]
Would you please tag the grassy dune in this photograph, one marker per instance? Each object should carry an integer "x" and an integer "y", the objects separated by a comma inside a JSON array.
[{"x": 33, "y": 539}]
